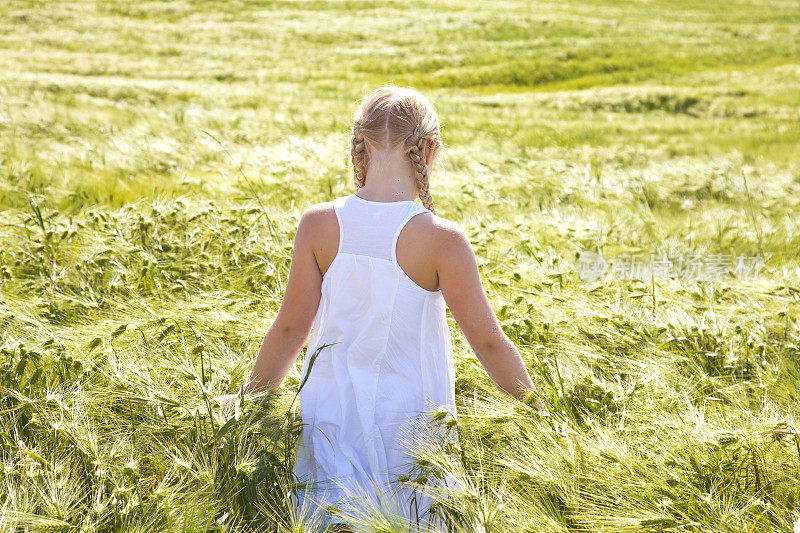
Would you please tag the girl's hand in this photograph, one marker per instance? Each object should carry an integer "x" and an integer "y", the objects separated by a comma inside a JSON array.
[
  {"x": 226, "y": 402},
  {"x": 532, "y": 399},
  {"x": 540, "y": 406}
]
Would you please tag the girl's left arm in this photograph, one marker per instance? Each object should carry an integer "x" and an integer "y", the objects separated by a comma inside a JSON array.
[{"x": 289, "y": 332}]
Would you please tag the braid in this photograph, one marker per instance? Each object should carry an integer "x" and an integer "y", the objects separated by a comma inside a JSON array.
[
  {"x": 422, "y": 171},
  {"x": 358, "y": 154}
]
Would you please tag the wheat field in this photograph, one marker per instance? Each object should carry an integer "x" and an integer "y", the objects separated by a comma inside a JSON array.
[{"x": 155, "y": 158}]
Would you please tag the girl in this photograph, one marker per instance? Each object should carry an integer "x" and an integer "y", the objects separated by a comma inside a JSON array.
[{"x": 372, "y": 272}]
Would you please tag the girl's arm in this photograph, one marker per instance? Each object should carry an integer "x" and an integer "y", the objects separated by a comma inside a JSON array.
[
  {"x": 463, "y": 292},
  {"x": 289, "y": 332}
]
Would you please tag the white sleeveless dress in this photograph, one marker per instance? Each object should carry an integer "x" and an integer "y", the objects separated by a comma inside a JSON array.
[{"x": 390, "y": 364}]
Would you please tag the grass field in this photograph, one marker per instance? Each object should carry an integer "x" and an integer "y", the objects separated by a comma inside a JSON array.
[{"x": 155, "y": 158}]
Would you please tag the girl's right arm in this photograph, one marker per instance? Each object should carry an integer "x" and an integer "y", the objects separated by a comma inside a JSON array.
[{"x": 464, "y": 294}]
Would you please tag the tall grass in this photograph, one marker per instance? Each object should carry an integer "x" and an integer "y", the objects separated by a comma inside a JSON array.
[{"x": 155, "y": 160}]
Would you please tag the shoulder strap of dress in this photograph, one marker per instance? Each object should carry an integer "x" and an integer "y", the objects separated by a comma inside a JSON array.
[
  {"x": 413, "y": 211},
  {"x": 338, "y": 203}
]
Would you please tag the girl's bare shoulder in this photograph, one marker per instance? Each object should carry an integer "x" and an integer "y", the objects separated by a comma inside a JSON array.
[
  {"x": 440, "y": 235},
  {"x": 319, "y": 222},
  {"x": 319, "y": 212}
]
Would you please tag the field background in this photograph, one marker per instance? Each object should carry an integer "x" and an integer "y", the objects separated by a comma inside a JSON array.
[{"x": 155, "y": 158}]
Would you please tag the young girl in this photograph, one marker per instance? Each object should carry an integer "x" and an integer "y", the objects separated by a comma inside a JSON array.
[{"x": 373, "y": 272}]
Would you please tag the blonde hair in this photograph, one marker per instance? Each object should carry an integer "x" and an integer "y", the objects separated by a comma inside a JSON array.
[{"x": 387, "y": 117}]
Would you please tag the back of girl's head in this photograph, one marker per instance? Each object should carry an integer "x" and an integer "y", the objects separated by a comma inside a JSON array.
[{"x": 394, "y": 116}]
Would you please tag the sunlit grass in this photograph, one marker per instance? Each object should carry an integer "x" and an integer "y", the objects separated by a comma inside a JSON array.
[{"x": 155, "y": 159}]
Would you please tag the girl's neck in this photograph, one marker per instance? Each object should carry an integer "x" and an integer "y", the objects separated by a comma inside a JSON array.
[
  {"x": 390, "y": 178},
  {"x": 380, "y": 193}
]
